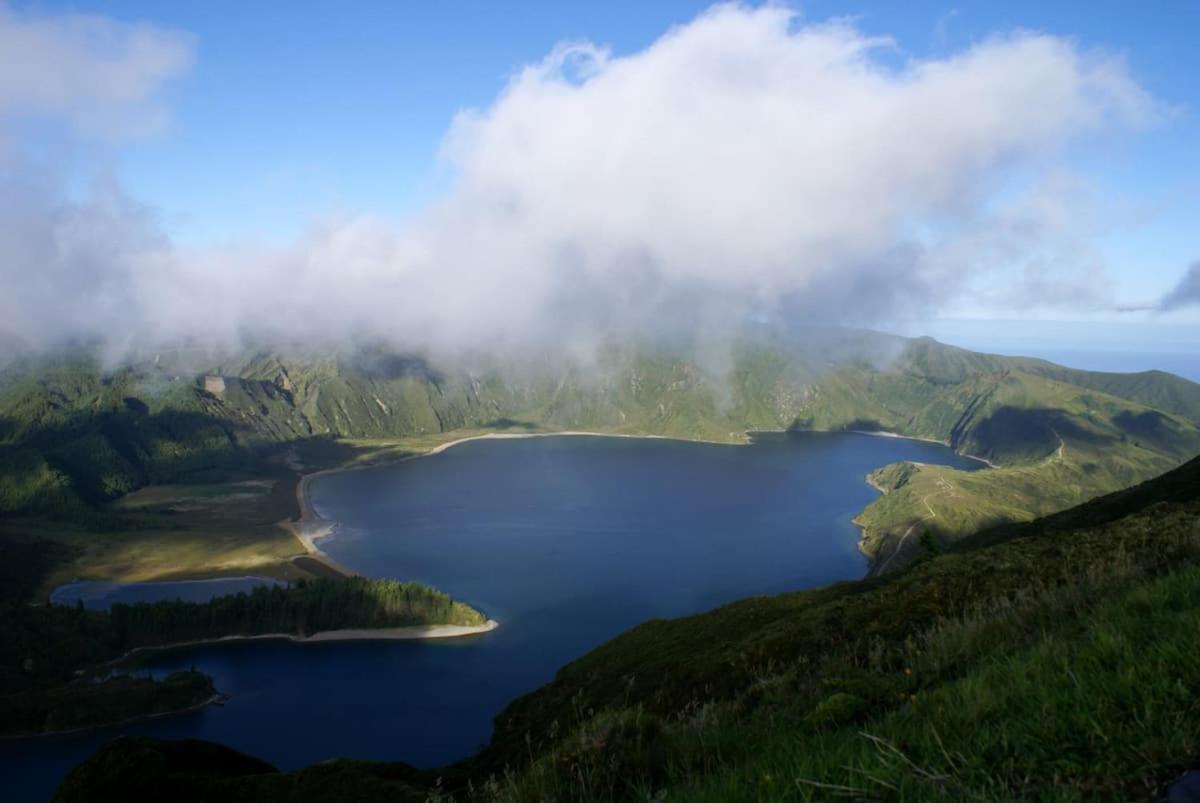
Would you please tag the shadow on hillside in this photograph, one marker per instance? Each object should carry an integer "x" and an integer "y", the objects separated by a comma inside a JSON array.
[
  {"x": 864, "y": 425},
  {"x": 1159, "y": 431},
  {"x": 377, "y": 364},
  {"x": 1177, "y": 486},
  {"x": 1032, "y": 432},
  {"x": 69, "y": 468},
  {"x": 505, "y": 424}
]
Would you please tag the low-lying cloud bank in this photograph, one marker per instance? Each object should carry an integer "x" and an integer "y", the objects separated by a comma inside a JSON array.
[{"x": 746, "y": 164}]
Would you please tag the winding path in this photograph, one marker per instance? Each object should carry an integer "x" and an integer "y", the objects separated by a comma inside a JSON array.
[
  {"x": 1058, "y": 456},
  {"x": 945, "y": 488}
]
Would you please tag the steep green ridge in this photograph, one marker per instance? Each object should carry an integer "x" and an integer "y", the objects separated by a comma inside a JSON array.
[
  {"x": 1053, "y": 660},
  {"x": 74, "y": 436},
  {"x": 1054, "y": 445},
  {"x": 1155, "y": 389}
]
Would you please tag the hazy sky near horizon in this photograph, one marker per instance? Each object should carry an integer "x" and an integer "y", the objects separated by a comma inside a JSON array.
[{"x": 473, "y": 173}]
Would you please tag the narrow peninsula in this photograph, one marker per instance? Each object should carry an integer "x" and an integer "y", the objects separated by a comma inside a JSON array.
[{"x": 72, "y": 659}]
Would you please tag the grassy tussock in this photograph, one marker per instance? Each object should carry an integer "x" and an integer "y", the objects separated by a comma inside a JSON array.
[{"x": 1080, "y": 684}]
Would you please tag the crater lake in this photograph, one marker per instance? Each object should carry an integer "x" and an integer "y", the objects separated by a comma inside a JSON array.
[{"x": 566, "y": 540}]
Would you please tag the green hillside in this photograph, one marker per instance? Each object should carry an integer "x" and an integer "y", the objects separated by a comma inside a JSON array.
[
  {"x": 1053, "y": 445},
  {"x": 75, "y": 436},
  {"x": 1053, "y": 660}
]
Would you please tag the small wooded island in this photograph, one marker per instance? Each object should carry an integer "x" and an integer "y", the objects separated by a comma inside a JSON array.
[{"x": 58, "y": 661}]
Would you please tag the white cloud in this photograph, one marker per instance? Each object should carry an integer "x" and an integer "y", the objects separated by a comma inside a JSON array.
[
  {"x": 74, "y": 266},
  {"x": 103, "y": 78},
  {"x": 742, "y": 162}
]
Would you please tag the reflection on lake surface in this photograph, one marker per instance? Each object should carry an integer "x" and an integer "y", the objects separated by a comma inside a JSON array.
[
  {"x": 567, "y": 541},
  {"x": 100, "y": 595}
]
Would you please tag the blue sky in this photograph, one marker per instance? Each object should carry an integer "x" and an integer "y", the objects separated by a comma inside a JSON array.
[
  {"x": 295, "y": 110},
  {"x": 296, "y": 114},
  {"x": 292, "y": 113}
]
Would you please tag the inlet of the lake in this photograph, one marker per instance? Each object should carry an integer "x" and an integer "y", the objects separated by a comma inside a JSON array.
[{"x": 567, "y": 541}]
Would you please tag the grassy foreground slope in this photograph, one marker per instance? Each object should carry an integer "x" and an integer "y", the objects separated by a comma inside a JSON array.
[{"x": 1053, "y": 660}]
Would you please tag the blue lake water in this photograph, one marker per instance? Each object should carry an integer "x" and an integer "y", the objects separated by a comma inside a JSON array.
[
  {"x": 567, "y": 541},
  {"x": 100, "y": 595}
]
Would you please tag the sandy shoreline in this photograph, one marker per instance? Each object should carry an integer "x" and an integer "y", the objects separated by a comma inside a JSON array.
[
  {"x": 874, "y": 566},
  {"x": 216, "y": 698},
  {"x": 871, "y": 481},
  {"x": 349, "y": 634},
  {"x": 409, "y": 633},
  {"x": 311, "y": 527},
  {"x": 880, "y": 433},
  {"x": 325, "y": 636}
]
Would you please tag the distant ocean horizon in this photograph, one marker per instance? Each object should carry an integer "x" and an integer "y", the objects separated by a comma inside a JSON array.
[
  {"x": 1116, "y": 346},
  {"x": 1124, "y": 362}
]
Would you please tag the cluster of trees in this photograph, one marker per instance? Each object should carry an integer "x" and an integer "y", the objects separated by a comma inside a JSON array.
[
  {"x": 28, "y": 483},
  {"x": 44, "y": 645},
  {"x": 85, "y": 705},
  {"x": 46, "y": 650},
  {"x": 304, "y": 608}
]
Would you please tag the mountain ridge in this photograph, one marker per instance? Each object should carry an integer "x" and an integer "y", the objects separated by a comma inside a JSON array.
[{"x": 74, "y": 437}]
